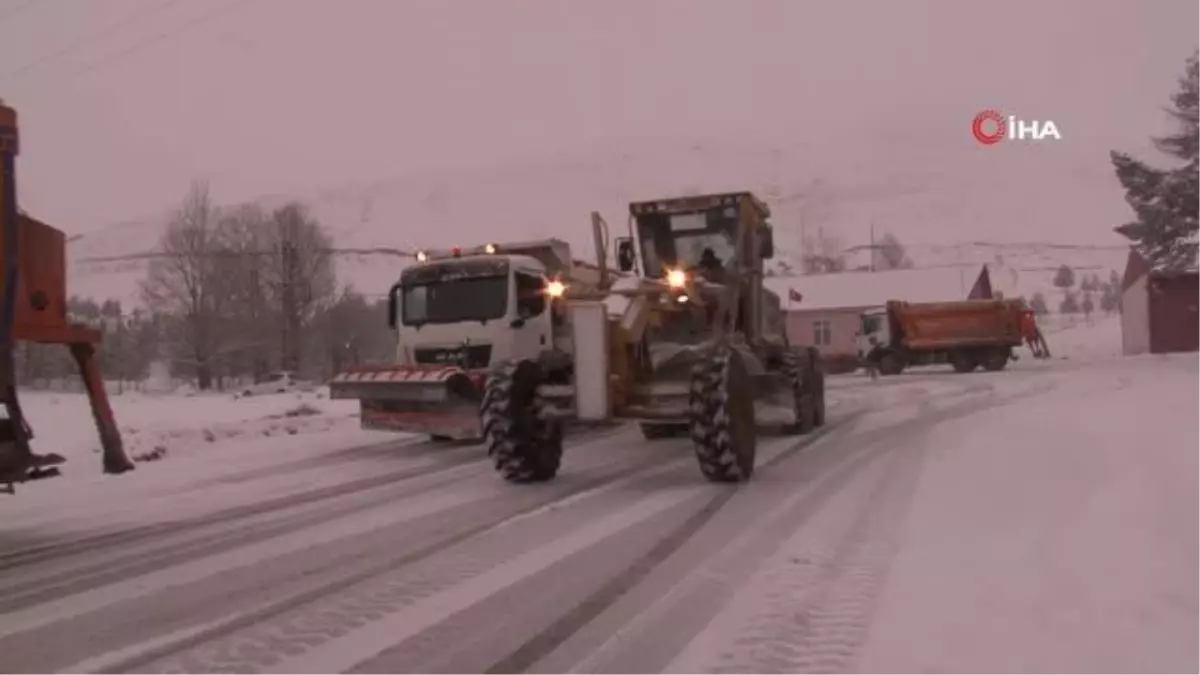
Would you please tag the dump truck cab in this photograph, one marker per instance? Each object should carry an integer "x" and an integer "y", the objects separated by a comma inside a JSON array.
[{"x": 874, "y": 332}]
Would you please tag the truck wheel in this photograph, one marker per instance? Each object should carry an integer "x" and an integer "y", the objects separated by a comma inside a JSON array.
[
  {"x": 525, "y": 447},
  {"x": 721, "y": 412},
  {"x": 963, "y": 361},
  {"x": 890, "y": 364},
  {"x": 654, "y": 432},
  {"x": 798, "y": 370},
  {"x": 996, "y": 359}
]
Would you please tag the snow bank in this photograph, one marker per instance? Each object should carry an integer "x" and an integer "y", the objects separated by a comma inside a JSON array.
[
  {"x": 169, "y": 425},
  {"x": 1057, "y": 535}
]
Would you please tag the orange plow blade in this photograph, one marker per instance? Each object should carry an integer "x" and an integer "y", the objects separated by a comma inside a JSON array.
[{"x": 441, "y": 401}]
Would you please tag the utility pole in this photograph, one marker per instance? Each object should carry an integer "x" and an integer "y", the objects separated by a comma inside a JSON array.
[{"x": 872, "y": 244}]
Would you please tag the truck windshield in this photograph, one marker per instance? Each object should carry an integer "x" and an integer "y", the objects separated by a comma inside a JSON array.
[{"x": 480, "y": 298}]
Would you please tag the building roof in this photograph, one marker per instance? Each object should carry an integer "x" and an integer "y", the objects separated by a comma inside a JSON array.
[
  {"x": 869, "y": 289},
  {"x": 1136, "y": 266}
]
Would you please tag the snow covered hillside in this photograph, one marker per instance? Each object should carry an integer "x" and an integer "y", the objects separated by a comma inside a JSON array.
[{"x": 900, "y": 185}]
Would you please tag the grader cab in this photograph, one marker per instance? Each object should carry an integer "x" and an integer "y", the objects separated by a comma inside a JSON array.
[
  {"x": 692, "y": 343},
  {"x": 33, "y": 308}
]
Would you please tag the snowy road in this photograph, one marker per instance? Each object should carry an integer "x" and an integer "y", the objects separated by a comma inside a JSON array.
[{"x": 993, "y": 521}]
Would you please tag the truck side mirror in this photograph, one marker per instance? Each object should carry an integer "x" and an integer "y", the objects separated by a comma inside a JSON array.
[
  {"x": 625, "y": 255},
  {"x": 767, "y": 243},
  {"x": 395, "y": 291}
]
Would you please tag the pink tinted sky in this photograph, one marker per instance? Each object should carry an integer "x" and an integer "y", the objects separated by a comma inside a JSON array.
[{"x": 272, "y": 95}]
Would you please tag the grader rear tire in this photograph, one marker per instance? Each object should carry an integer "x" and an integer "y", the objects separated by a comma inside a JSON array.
[
  {"x": 525, "y": 447},
  {"x": 798, "y": 369},
  {"x": 721, "y": 417}
]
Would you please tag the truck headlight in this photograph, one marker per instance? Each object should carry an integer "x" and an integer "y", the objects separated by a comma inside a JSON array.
[
  {"x": 676, "y": 278},
  {"x": 555, "y": 289}
]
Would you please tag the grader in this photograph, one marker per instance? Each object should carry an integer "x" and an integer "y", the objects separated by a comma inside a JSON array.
[{"x": 692, "y": 342}]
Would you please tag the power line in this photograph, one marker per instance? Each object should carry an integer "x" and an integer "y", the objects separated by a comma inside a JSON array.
[
  {"x": 136, "y": 47},
  {"x": 90, "y": 37},
  {"x": 139, "y": 46}
]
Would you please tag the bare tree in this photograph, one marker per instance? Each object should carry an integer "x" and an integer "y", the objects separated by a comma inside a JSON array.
[
  {"x": 892, "y": 255},
  {"x": 243, "y": 235},
  {"x": 184, "y": 282},
  {"x": 299, "y": 275},
  {"x": 824, "y": 253}
]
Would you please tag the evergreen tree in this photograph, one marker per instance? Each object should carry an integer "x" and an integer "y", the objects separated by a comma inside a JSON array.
[
  {"x": 1064, "y": 278},
  {"x": 1070, "y": 304},
  {"x": 1164, "y": 201},
  {"x": 1038, "y": 304},
  {"x": 1110, "y": 298}
]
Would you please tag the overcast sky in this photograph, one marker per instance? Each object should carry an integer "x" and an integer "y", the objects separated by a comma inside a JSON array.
[{"x": 274, "y": 95}]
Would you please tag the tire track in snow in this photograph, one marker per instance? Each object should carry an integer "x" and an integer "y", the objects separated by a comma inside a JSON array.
[
  {"x": 161, "y": 552},
  {"x": 812, "y": 605},
  {"x": 813, "y": 615},
  {"x": 546, "y": 641},
  {"x": 122, "y": 538},
  {"x": 250, "y": 641},
  {"x": 657, "y": 629}
]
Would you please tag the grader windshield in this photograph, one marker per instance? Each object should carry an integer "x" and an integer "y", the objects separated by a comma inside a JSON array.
[
  {"x": 680, "y": 240},
  {"x": 693, "y": 234}
]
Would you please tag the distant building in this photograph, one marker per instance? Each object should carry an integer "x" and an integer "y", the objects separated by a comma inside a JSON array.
[
  {"x": 1158, "y": 309},
  {"x": 823, "y": 310}
]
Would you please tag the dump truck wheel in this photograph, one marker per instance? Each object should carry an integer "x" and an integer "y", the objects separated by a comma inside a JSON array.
[
  {"x": 799, "y": 372},
  {"x": 996, "y": 360},
  {"x": 721, "y": 412},
  {"x": 963, "y": 361},
  {"x": 890, "y": 364},
  {"x": 525, "y": 447},
  {"x": 654, "y": 432}
]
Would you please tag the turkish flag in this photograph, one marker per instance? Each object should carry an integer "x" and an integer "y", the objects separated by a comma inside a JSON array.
[{"x": 794, "y": 295}]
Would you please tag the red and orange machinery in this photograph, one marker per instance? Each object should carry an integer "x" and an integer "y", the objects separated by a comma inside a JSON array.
[{"x": 33, "y": 308}]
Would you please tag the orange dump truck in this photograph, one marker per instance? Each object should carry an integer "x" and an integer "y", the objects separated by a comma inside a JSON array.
[{"x": 966, "y": 334}]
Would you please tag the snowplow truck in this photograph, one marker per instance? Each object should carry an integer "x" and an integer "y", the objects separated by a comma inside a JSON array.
[
  {"x": 688, "y": 342},
  {"x": 966, "y": 334},
  {"x": 456, "y": 314}
]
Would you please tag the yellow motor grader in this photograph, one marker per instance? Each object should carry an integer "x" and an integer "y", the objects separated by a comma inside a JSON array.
[{"x": 690, "y": 342}]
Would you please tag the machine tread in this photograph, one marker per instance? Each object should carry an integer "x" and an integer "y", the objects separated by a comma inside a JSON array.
[
  {"x": 524, "y": 445},
  {"x": 715, "y": 400}
]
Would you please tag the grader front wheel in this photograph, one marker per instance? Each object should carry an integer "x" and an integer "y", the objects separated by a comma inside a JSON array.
[
  {"x": 721, "y": 417},
  {"x": 525, "y": 447}
]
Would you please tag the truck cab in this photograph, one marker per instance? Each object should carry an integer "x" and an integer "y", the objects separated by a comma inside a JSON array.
[
  {"x": 472, "y": 311},
  {"x": 874, "y": 331}
]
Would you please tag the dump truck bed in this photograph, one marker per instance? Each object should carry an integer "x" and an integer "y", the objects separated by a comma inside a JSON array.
[{"x": 950, "y": 325}]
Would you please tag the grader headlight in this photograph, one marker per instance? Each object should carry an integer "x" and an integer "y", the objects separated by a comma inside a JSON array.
[{"x": 676, "y": 278}]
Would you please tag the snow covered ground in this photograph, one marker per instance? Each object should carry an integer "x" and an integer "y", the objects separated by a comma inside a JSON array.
[{"x": 1039, "y": 519}]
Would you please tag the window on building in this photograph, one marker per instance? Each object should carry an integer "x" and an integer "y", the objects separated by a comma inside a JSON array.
[{"x": 822, "y": 333}]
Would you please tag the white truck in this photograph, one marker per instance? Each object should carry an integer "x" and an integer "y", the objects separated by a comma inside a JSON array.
[{"x": 456, "y": 313}]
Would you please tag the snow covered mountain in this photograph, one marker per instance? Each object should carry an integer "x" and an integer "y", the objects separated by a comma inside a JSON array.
[{"x": 1020, "y": 208}]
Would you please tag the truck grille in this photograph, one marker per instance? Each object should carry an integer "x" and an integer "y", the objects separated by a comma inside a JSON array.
[{"x": 476, "y": 356}]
